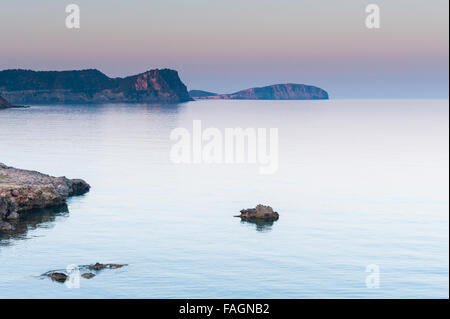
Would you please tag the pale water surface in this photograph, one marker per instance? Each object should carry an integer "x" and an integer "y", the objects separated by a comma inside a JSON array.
[{"x": 360, "y": 182}]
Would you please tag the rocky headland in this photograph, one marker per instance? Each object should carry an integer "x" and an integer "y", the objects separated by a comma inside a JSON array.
[
  {"x": 91, "y": 86},
  {"x": 288, "y": 91},
  {"x": 23, "y": 190}
]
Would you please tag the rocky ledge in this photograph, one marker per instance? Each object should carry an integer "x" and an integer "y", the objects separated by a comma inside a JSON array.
[
  {"x": 261, "y": 212},
  {"x": 22, "y": 190}
]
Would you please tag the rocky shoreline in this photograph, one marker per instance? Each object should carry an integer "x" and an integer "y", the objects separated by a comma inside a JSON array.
[{"x": 23, "y": 190}]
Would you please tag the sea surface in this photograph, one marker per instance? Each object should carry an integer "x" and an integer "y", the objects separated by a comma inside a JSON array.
[{"x": 361, "y": 185}]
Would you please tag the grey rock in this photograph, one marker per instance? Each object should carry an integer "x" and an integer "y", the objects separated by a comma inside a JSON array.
[{"x": 22, "y": 190}]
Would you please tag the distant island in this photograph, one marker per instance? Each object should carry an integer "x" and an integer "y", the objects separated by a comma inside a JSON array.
[
  {"x": 288, "y": 91},
  {"x": 91, "y": 86}
]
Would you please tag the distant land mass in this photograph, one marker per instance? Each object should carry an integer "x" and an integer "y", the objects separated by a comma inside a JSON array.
[
  {"x": 288, "y": 91},
  {"x": 91, "y": 86}
]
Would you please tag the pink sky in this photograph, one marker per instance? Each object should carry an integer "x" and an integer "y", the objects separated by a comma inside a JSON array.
[{"x": 224, "y": 46}]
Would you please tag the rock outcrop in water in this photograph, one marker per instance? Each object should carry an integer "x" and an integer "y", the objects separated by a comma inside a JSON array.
[
  {"x": 22, "y": 190},
  {"x": 261, "y": 212},
  {"x": 91, "y": 86},
  {"x": 273, "y": 92},
  {"x": 85, "y": 271}
]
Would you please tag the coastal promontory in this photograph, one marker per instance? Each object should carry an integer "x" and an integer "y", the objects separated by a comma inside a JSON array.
[
  {"x": 23, "y": 190},
  {"x": 91, "y": 86}
]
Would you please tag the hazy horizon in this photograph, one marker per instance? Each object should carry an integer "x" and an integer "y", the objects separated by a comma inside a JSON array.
[{"x": 227, "y": 46}]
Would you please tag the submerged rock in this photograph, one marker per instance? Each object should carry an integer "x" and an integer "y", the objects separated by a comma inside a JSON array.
[
  {"x": 88, "y": 275},
  {"x": 30, "y": 220},
  {"x": 22, "y": 190},
  {"x": 261, "y": 212},
  {"x": 85, "y": 271},
  {"x": 98, "y": 266}
]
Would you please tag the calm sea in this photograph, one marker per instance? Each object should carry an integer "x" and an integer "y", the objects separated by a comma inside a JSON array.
[{"x": 360, "y": 182}]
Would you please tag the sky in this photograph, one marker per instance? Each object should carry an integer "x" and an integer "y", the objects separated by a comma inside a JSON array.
[{"x": 227, "y": 45}]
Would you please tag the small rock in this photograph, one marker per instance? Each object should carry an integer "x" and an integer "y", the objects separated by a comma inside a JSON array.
[
  {"x": 88, "y": 275},
  {"x": 58, "y": 276},
  {"x": 99, "y": 266},
  {"x": 261, "y": 212}
]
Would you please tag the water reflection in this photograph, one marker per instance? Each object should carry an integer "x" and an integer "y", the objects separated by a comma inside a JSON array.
[
  {"x": 159, "y": 108},
  {"x": 38, "y": 218},
  {"x": 261, "y": 224}
]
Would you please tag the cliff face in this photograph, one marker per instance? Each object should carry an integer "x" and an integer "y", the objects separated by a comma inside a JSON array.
[
  {"x": 274, "y": 92},
  {"x": 91, "y": 86}
]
